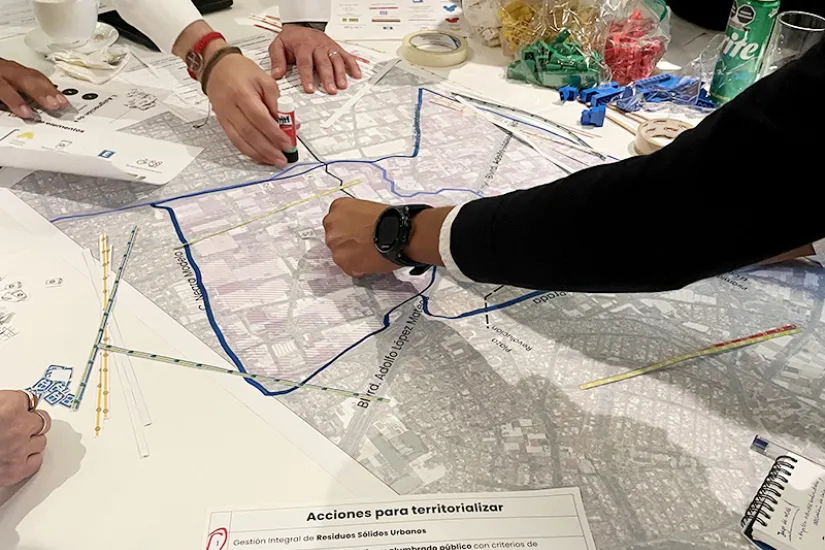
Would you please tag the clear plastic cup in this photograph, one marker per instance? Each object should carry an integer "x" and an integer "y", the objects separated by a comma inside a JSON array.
[{"x": 794, "y": 33}]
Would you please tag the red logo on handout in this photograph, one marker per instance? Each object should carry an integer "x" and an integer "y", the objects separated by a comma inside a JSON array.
[{"x": 217, "y": 539}]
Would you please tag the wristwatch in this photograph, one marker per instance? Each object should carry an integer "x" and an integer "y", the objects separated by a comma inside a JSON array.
[
  {"x": 393, "y": 231},
  {"x": 194, "y": 59}
]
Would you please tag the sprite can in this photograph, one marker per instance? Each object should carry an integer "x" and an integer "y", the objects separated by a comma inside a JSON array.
[{"x": 749, "y": 28}]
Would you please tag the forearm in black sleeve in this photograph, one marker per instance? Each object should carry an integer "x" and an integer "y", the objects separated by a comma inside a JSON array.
[{"x": 745, "y": 185}]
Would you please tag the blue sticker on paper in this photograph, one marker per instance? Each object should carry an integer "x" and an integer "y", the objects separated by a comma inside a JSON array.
[{"x": 53, "y": 387}]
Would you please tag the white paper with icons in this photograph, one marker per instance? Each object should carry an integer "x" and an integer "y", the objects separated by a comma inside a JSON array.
[
  {"x": 114, "y": 105},
  {"x": 369, "y": 20},
  {"x": 72, "y": 149}
]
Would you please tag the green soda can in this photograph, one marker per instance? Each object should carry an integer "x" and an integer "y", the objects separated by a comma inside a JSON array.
[{"x": 749, "y": 28}]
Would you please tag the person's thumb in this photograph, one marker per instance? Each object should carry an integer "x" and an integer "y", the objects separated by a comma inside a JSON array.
[{"x": 277, "y": 55}]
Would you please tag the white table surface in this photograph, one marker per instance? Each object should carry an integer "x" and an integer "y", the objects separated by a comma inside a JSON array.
[{"x": 207, "y": 447}]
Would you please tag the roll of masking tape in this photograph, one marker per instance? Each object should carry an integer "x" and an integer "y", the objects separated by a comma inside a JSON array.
[
  {"x": 434, "y": 49},
  {"x": 657, "y": 133}
]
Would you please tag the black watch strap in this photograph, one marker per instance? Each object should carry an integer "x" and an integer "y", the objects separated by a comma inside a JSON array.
[
  {"x": 412, "y": 211},
  {"x": 395, "y": 253}
]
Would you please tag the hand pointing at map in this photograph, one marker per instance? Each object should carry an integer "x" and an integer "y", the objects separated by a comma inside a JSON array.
[{"x": 350, "y": 231}]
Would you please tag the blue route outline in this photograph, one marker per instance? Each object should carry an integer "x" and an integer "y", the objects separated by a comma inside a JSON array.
[{"x": 290, "y": 173}]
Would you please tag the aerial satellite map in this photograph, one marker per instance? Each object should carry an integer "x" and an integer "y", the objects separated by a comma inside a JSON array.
[{"x": 483, "y": 381}]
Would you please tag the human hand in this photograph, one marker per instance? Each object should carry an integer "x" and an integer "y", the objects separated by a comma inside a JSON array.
[
  {"x": 245, "y": 100},
  {"x": 22, "y": 437},
  {"x": 311, "y": 51},
  {"x": 350, "y": 226},
  {"x": 15, "y": 78}
]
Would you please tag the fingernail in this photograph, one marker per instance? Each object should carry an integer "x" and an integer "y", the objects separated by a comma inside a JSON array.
[
  {"x": 332, "y": 90},
  {"x": 275, "y": 70},
  {"x": 63, "y": 101},
  {"x": 51, "y": 102},
  {"x": 25, "y": 112},
  {"x": 310, "y": 88}
]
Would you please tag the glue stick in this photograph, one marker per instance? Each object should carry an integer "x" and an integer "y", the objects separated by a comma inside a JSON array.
[{"x": 286, "y": 120}]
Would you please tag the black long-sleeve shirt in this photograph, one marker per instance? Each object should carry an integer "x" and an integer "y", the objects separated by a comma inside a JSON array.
[{"x": 745, "y": 185}]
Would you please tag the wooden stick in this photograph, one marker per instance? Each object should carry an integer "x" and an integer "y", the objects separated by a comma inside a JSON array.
[
  {"x": 635, "y": 117},
  {"x": 621, "y": 123}
]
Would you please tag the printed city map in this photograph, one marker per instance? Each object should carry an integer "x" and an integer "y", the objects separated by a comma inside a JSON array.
[{"x": 483, "y": 380}]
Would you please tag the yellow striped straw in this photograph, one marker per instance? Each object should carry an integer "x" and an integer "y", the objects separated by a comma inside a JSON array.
[{"x": 106, "y": 268}]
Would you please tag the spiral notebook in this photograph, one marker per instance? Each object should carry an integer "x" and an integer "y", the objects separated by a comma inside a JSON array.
[{"x": 788, "y": 512}]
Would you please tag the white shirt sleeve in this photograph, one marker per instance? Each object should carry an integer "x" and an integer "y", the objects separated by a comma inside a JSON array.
[
  {"x": 819, "y": 252},
  {"x": 303, "y": 11},
  {"x": 444, "y": 247},
  {"x": 160, "y": 20}
]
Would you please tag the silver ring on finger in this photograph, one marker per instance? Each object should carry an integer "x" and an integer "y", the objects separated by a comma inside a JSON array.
[
  {"x": 33, "y": 399},
  {"x": 332, "y": 53},
  {"x": 47, "y": 422}
]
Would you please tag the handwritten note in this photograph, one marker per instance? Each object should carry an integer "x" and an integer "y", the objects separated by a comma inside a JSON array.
[
  {"x": 811, "y": 524},
  {"x": 787, "y": 518}
]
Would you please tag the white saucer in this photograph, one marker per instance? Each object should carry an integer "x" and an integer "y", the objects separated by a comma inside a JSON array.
[{"x": 105, "y": 35}]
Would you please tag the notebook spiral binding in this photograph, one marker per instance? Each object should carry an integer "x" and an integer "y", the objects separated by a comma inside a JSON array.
[{"x": 763, "y": 503}]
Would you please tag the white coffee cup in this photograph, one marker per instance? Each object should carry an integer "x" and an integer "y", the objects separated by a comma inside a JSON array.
[{"x": 66, "y": 22}]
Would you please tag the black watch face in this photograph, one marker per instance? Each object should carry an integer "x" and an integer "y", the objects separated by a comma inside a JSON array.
[{"x": 386, "y": 232}]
